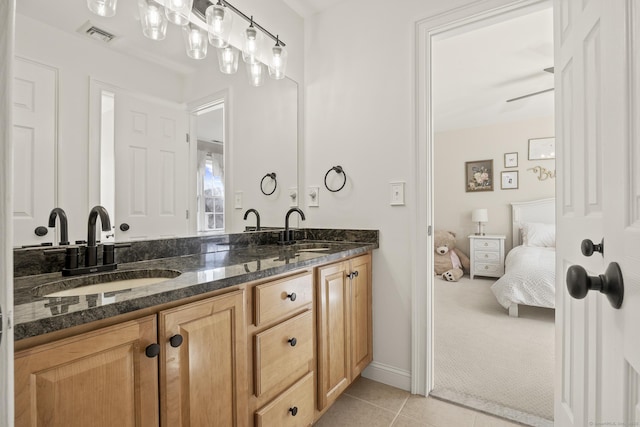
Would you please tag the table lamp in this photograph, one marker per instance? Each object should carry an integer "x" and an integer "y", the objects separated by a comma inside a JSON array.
[{"x": 480, "y": 216}]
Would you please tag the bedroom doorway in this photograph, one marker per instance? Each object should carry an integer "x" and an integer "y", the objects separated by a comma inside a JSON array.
[{"x": 492, "y": 99}]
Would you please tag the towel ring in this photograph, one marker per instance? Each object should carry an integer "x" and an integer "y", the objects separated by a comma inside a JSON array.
[
  {"x": 271, "y": 175},
  {"x": 337, "y": 169}
]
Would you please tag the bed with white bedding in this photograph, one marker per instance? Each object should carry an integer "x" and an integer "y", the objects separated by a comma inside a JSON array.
[{"x": 529, "y": 277}]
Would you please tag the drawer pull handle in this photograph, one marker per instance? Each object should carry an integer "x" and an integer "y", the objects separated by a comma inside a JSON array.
[
  {"x": 292, "y": 342},
  {"x": 486, "y": 256},
  {"x": 486, "y": 244},
  {"x": 294, "y": 411},
  {"x": 152, "y": 350},
  {"x": 176, "y": 340},
  {"x": 486, "y": 267},
  {"x": 292, "y": 296}
]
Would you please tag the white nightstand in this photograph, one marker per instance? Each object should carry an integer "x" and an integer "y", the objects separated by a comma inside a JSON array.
[{"x": 487, "y": 255}]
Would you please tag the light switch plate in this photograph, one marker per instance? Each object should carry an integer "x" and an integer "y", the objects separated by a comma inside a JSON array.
[
  {"x": 313, "y": 197},
  {"x": 397, "y": 193},
  {"x": 237, "y": 200},
  {"x": 293, "y": 197}
]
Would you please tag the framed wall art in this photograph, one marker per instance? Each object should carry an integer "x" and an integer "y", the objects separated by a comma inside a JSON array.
[
  {"x": 511, "y": 160},
  {"x": 479, "y": 175},
  {"x": 542, "y": 148},
  {"x": 509, "y": 180}
]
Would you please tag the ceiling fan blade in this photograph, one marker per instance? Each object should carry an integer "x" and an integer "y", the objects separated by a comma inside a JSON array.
[{"x": 529, "y": 94}]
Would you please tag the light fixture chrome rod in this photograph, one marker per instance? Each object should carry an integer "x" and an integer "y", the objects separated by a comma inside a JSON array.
[
  {"x": 255, "y": 24},
  {"x": 529, "y": 94}
]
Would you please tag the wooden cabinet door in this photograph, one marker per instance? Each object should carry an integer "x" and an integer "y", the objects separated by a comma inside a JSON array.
[
  {"x": 101, "y": 378},
  {"x": 333, "y": 332},
  {"x": 204, "y": 379},
  {"x": 361, "y": 315}
]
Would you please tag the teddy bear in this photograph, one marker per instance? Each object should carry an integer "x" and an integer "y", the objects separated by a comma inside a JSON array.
[{"x": 449, "y": 262}]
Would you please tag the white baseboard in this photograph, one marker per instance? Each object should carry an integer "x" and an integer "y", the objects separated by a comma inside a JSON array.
[{"x": 389, "y": 375}]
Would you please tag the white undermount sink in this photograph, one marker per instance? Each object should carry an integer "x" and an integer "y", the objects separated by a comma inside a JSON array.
[{"x": 103, "y": 283}]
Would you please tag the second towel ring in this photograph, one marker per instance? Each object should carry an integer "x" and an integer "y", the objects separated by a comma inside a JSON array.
[
  {"x": 271, "y": 175},
  {"x": 337, "y": 169}
]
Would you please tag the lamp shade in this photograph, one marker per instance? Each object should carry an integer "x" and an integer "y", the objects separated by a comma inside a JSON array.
[{"x": 480, "y": 215}]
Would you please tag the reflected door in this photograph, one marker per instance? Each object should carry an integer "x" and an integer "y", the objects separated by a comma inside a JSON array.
[
  {"x": 34, "y": 156},
  {"x": 151, "y": 165}
]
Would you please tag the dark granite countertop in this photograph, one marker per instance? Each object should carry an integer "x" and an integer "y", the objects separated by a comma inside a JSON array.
[{"x": 200, "y": 273}]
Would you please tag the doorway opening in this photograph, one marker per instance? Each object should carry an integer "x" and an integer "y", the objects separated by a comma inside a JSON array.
[
  {"x": 493, "y": 328},
  {"x": 210, "y": 166}
]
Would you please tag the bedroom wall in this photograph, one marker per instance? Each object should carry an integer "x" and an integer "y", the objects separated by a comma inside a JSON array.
[{"x": 453, "y": 205}]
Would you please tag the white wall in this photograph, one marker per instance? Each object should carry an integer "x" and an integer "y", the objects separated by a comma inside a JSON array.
[
  {"x": 359, "y": 114},
  {"x": 453, "y": 205}
]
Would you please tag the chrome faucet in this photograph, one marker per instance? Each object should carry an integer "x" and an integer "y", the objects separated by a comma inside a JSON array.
[
  {"x": 64, "y": 233},
  {"x": 286, "y": 238},
  {"x": 91, "y": 251},
  {"x": 246, "y": 214}
]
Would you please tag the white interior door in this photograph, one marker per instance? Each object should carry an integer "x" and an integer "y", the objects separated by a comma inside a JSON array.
[
  {"x": 151, "y": 168},
  {"x": 597, "y": 350},
  {"x": 34, "y": 150}
]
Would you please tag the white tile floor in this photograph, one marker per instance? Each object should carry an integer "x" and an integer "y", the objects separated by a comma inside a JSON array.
[{"x": 369, "y": 403}]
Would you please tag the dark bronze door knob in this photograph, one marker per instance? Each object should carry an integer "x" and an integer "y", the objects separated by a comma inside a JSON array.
[
  {"x": 579, "y": 283},
  {"x": 588, "y": 247}
]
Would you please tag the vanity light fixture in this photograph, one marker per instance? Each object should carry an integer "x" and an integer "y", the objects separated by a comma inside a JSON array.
[
  {"x": 278, "y": 62},
  {"x": 153, "y": 20},
  {"x": 256, "y": 72},
  {"x": 106, "y": 8},
  {"x": 177, "y": 11},
  {"x": 195, "y": 41},
  {"x": 219, "y": 20},
  {"x": 251, "y": 44},
  {"x": 228, "y": 59}
]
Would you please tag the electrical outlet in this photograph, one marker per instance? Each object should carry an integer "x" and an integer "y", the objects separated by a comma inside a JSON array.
[
  {"x": 314, "y": 196},
  {"x": 293, "y": 197},
  {"x": 237, "y": 201}
]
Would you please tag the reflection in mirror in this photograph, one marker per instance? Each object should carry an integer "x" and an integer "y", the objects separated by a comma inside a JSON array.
[{"x": 72, "y": 166}]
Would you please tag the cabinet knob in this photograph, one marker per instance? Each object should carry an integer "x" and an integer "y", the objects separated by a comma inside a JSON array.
[
  {"x": 352, "y": 275},
  {"x": 292, "y": 342},
  {"x": 152, "y": 350},
  {"x": 294, "y": 411},
  {"x": 292, "y": 296},
  {"x": 176, "y": 340}
]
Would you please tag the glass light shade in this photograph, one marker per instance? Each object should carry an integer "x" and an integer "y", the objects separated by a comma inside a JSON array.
[
  {"x": 278, "y": 62},
  {"x": 219, "y": 20},
  {"x": 195, "y": 41},
  {"x": 177, "y": 11},
  {"x": 228, "y": 59},
  {"x": 105, "y": 8},
  {"x": 251, "y": 45},
  {"x": 154, "y": 22},
  {"x": 256, "y": 72}
]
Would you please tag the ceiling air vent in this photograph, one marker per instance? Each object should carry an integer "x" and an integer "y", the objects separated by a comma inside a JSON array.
[{"x": 90, "y": 30}]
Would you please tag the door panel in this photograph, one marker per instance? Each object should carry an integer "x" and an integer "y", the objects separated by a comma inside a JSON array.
[
  {"x": 151, "y": 168},
  {"x": 34, "y": 144}
]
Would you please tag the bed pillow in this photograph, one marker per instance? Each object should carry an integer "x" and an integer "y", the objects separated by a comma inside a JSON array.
[{"x": 539, "y": 234}]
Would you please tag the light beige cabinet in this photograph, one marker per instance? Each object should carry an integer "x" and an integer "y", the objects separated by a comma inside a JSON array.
[
  {"x": 101, "y": 378},
  {"x": 345, "y": 344},
  {"x": 109, "y": 377}
]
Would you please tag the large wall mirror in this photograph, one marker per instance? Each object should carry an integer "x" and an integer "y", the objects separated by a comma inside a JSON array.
[{"x": 98, "y": 122}]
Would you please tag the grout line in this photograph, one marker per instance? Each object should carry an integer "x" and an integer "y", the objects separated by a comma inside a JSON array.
[{"x": 400, "y": 410}]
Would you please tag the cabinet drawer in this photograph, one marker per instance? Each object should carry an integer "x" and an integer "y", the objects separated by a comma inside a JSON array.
[
  {"x": 292, "y": 408},
  {"x": 484, "y": 268},
  {"x": 274, "y": 300},
  {"x": 487, "y": 244},
  {"x": 284, "y": 353},
  {"x": 488, "y": 257}
]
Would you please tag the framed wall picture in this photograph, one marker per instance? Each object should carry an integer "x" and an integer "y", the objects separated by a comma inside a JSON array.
[
  {"x": 479, "y": 175},
  {"x": 509, "y": 180},
  {"x": 542, "y": 148},
  {"x": 511, "y": 160}
]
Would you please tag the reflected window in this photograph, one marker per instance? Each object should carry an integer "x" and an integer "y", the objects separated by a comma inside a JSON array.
[{"x": 210, "y": 131}]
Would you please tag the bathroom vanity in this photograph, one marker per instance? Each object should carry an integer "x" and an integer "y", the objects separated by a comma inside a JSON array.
[{"x": 247, "y": 334}]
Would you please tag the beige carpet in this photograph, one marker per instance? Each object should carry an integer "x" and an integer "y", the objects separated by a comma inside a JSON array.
[{"x": 483, "y": 355}]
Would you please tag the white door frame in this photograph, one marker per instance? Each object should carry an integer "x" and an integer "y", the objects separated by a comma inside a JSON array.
[
  {"x": 422, "y": 355},
  {"x": 7, "y": 20}
]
